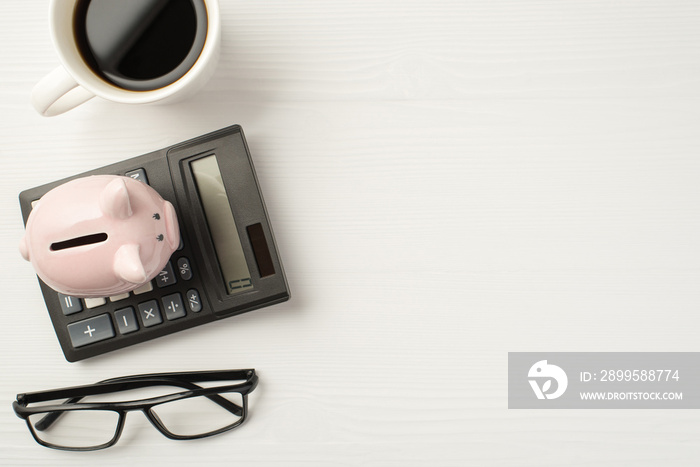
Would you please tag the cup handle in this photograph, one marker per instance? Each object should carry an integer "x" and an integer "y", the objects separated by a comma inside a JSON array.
[{"x": 57, "y": 93}]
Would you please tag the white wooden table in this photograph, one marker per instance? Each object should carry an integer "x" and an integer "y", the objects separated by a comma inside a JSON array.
[{"x": 448, "y": 181}]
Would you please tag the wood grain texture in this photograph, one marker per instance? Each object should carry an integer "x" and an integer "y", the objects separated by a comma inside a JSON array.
[{"x": 448, "y": 181}]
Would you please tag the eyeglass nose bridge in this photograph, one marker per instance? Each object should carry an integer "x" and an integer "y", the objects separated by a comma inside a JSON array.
[
  {"x": 120, "y": 428},
  {"x": 150, "y": 416},
  {"x": 156, "y": 421}
]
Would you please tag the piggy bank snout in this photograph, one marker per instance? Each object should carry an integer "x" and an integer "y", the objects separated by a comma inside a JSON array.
[
  {"x": 100, "y": 236},
  {"x": 171, "y": 226}
]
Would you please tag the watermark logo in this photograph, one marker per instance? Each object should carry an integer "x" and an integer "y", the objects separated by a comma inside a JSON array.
[{"x": 546, "y": 373}]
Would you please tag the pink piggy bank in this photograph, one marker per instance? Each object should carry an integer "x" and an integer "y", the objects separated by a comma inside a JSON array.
[{"x": 100, "y": 236}]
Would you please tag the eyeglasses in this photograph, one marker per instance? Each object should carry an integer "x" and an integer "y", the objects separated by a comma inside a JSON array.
[{"x": 82, "y": 422}]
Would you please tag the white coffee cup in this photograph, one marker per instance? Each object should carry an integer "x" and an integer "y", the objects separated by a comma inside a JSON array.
[{"x": 74, "y": 82}]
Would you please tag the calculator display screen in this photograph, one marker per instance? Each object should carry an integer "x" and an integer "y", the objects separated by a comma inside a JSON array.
[{"x": 222, "y": 226}]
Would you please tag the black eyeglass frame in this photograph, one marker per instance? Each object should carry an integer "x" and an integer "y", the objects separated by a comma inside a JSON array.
[{"x": 185, "y": 380}]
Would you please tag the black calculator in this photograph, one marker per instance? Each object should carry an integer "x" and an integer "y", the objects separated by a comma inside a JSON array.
[{"x": 227, "y": 262}]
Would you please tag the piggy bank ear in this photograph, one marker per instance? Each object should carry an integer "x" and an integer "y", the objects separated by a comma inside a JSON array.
[
  {"x": 114, "y": 200},
  {"x": 128, "y": 265}
]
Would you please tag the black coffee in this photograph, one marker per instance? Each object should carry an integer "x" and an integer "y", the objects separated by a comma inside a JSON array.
[{"x": 140, "y": 45}]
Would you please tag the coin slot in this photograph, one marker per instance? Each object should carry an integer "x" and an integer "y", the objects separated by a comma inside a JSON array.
[{"x": 79, "y": 241}]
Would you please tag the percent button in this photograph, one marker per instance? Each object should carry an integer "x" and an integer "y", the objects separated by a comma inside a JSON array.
[{"x": 185, "y": 268}]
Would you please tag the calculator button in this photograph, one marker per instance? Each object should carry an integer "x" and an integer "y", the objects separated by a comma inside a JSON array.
[
  {"x": 138, "y": 174},
  {"x": 94, "y": 302},
  {"x": 193, "y": 301},
  {"x": 69, "y": 304},
  {"x": 184, "y": 268},
  {"x": 150, "y": 313},
  {"x": 90, "y": 330},
  {"x": 116, "y": 298},
  {"x": 172, "y": 304},
  {"x": 126, "y": 320},
  {"x": 166, "y": 277},
  {"x": 147, "y": 287}
]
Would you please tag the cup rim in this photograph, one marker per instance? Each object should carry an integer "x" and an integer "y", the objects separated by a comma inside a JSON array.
[{"x": 85, "y": 77}]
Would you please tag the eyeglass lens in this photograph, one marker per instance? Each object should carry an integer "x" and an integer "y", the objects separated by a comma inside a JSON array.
[
  {"x": 197, "y": 416},
  {"x": 77, "y": 428}
]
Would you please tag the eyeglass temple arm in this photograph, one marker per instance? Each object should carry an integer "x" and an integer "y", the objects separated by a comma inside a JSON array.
[
  {"x": 222, "y": 401},
  {"x": 50, "y": 418}
]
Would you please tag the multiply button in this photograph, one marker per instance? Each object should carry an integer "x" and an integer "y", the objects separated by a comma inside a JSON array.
[
  {"x": 183, "y": 265},
  {"x": 172, "y": 304},
  {"x": 150, "y": 313},
  {"x": 166, "y": 277},
  {"x": 90, "y": 330}
]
